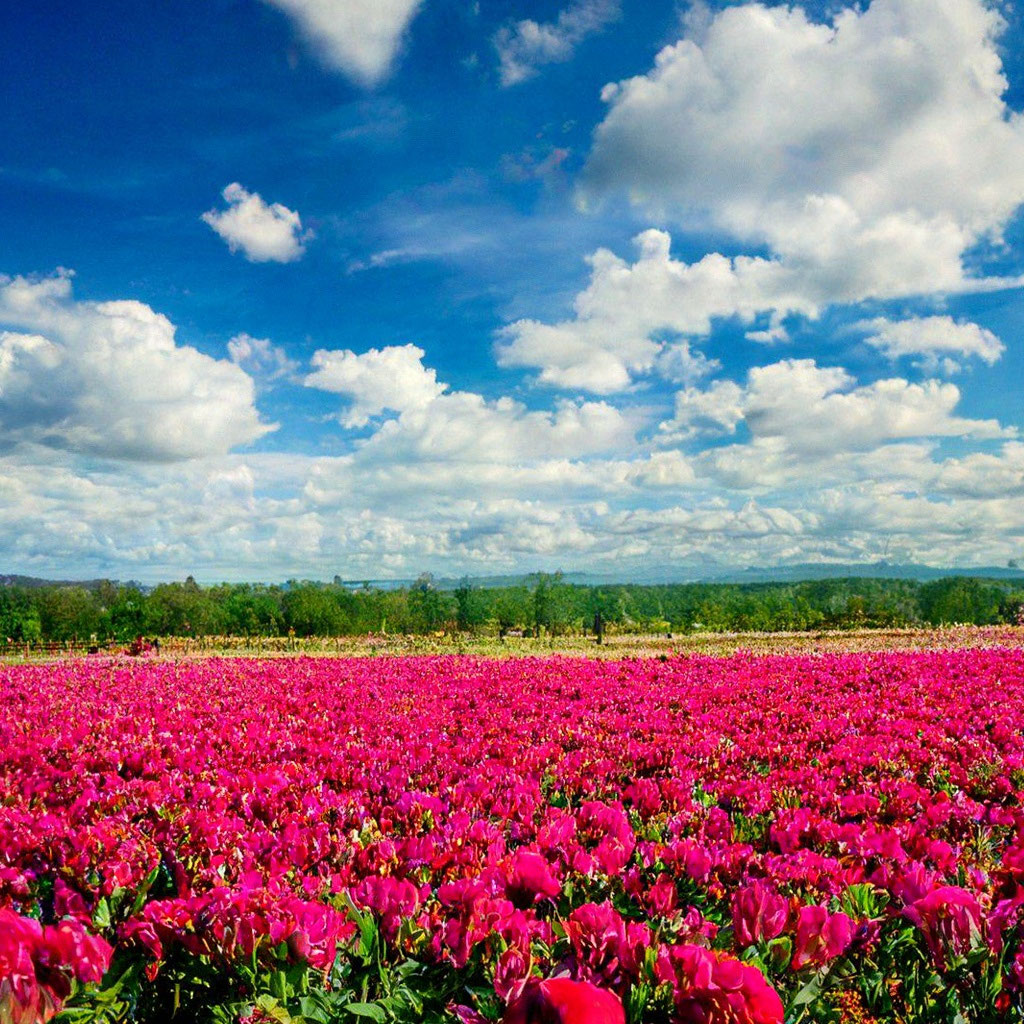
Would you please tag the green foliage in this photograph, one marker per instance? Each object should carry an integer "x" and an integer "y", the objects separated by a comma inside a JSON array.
[
  {"x": 959, "y": 599},
  {"x": 183, "y": 609},
  {"x": 68, "y": 612},
  {"x": 544, "y": 605}
]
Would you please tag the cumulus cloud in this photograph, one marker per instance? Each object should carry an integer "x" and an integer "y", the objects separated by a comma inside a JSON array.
[
  {"x": 260, "y": 357},
  {"x": 359, "y": 37},
  {"x": 264, "y": 232},
  {"x": 821, "y": 410},
  {"x": 622, "y": 318},
  {"x": 717, "y": 409},
  {"x": 641, "y": 317},
  {"x": 984, "y": 474},
  {"x": 108, "y": 378},
  {"x": 804, "y": 425},
  {"x": 528, "y": 45},
  {"x": 467, "y": 428},
  {"x": 268, "y": 515},
  {"x": 940, "y": 341},
  {"x": 392, "y": 378},
  {"x": 446, "y": 478},
  {"x": 872, "y": 150},
  {"x": 434, "y": 423}
]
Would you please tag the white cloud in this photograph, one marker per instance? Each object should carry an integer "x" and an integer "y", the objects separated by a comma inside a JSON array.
[
  {"x": 359, "y": 37},
  {"x": 280, "y": 515},
  {"x": 260, "y": 357},
  {"x": 796, "y": 410},
  {"x": 620, "y": 319},
  {"x": 808, "y": 426},
  {"x": 936, "y": 339},
  {"x": 984, "y": 475},
  {"x": 869, "y": 152},
  {"x": 435, "y": 424},
  {"x": 264, "y": 232},
  {"x": 527, "y": 45},
  {"x": 392, "y": 378},
  {"x": 466, "y": 428},
  {"x": 717, "y": 409},
  {"x": 107, "y": 378}
]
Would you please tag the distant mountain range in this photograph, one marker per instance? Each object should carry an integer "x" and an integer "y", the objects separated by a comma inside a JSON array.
[{"x": 759, "y": 574}]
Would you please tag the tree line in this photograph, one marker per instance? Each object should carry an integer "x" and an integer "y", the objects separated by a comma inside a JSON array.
[{"x": 541, "y": 604}]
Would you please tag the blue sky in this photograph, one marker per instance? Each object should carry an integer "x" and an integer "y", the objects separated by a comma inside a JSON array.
[{"x": 305, "y": 287}]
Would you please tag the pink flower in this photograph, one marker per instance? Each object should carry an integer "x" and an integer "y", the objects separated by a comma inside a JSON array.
[
  {"x": 20, "y": 997},
  {"x": 713, "y": 988},
  {"x": 392, "y": 898},
  {"x": 820, "y": 936},
  {"x": 69, "y": 945},
  {"x": 528, "y": 878},
  {"x": 598, "y": 936},
  {"x": 562, "y": 1001},
  {"x": 950, "y": 919},
  {"x": 37, "y": 964},
  {"x": 317, "y": 931},
  {"x": 511, "y": 972},
  {"x": 662, "y": 897},
  {"x": 758, "y": 914}
]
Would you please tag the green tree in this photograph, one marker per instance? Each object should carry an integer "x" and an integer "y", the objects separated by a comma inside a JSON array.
[
  {"x": 511, "y": 608},
  {"x": 552, "y": 604},
  {"x": 960, "y": 599},
  {"x": 183, "y": 609},
  {"x": 429, "y": 608},
  {"x": 126, "y": 614},
  {"x": 19, "y": 618},
  {"x": 252, "y": 610},
  {"x": 67, "y": 613},
  {"x": 471, "y": 609},
  {"x": 312, "y": 610}
]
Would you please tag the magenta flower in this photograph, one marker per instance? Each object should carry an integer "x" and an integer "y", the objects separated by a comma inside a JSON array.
[
  {"x": 758, "y": 914},
  {"x": 712, "y": 988},
  {"x": 597, "y": 933},
  {"x": 528, "y": 878},
  {"x": 511, "y": 972},
  {"x": 562, "y": 1001},
  {"x": 820, "y": 936},
  {"x": 37, "y": 965},
  {"x": 950, "y": 920}
]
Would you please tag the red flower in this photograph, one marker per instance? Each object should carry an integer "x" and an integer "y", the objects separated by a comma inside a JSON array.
[
  {"x": 950, "y": 918},
  {"x": 36, "y": 965},
  {"x": 603, "y": 947},
  {"x": 528, "y": 878},
  {"x": 561, "y": 1001},
  {"x": 712, "y": 988},
  {"x": 820, "y": 936},
  {"x": 758, "y": 913}
]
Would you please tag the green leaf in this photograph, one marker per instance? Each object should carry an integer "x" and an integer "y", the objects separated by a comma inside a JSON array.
[
  {"x": 140, "y": 896},
  {"x": 367, "y": 928},
  {"x": 811, "y": 990},
  {"x": 101, "y": 915},
  {"x": 780, "y": 950},
  {"x": 371, "y": 1010},
  {"x": 312, "y": 1010},
  {"x": 270, "y": 1006}
]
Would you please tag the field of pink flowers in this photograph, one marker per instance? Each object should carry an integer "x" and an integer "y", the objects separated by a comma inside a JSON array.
[{"x": 739, "y": 840}]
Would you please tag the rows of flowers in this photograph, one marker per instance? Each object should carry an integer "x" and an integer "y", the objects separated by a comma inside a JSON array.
[{"x": 749, "y": 840}]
